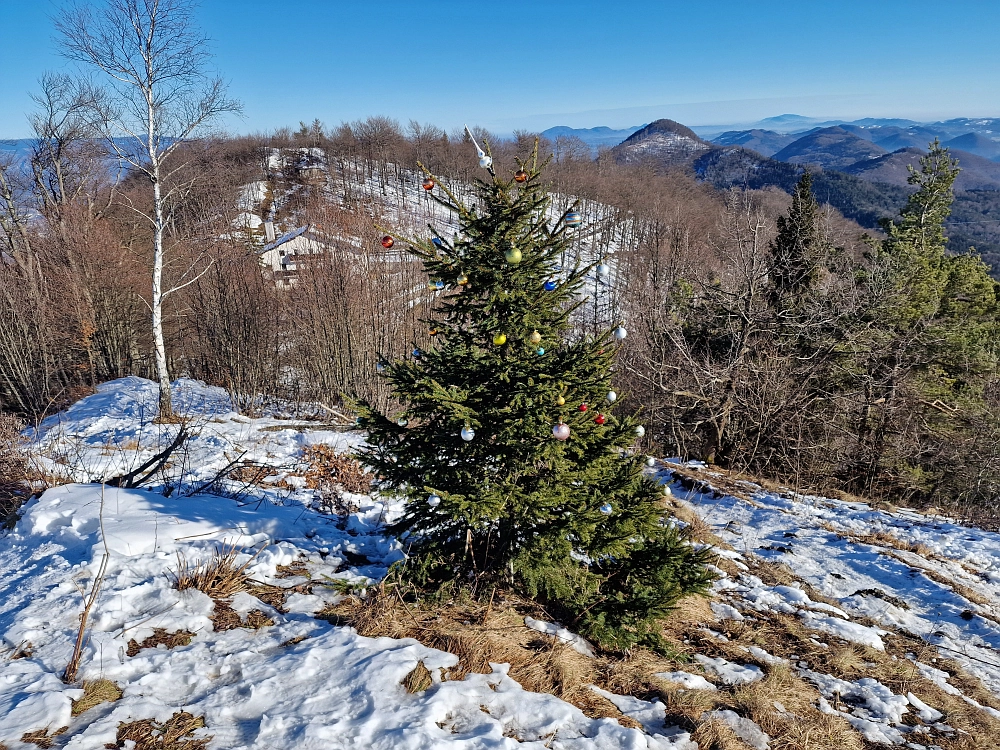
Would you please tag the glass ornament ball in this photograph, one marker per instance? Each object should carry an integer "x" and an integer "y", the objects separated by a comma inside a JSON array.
[
  {"x": 549, "y": 286},
  {"x": 402, "y": 422},
  {"x": 500, "y": 339},
  {"x": 437, "y": 242},
  {"x": 416, "y": 354},
  {"x": 650, "y": 461},
  {"x": 606, "y": 509},
  {"x": 667, "y": 492},
  {"x": 599, "y": 419},
  {"x": 611, "y": 397},
  {"x": 520, "y": 176},
  {"x": 434, "y": 501},
  {"x": 485, "y": 162},
  {"x": 560, "y": 401},
  {"x": 380, "y": 367},
  {"x": 438, "y": 284},
  {"x": 513, "y": 255},
  {"x": 432, "y": 332},
  {"x": 561, "y": 431},
  {"x": 603, "y": 270},
  {"x": 583, "y": 407},
  {"x": 467, "y": 434},
  {"x": 427, "y": 184},
  {"x": 388, "y": 242},
  {"x": 540, "y": 351},
  {"x": 462, "y": 279},
  {"x": 640, "y": 431},
  {"x": 573, "y": 219},
  {"x": 535, "y": 337},
  {"x": 620, "y": 333}
]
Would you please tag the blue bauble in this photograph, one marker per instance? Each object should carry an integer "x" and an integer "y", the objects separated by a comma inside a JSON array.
[
  {"x": 438, "y": 242},
  {"x": 606, "y": 509},
  {"x": 550, "y": 286},
  {"x": 540, "y": 351},
  {"x": 573, "y": 219},
  {"x": 416, "y": 353}
]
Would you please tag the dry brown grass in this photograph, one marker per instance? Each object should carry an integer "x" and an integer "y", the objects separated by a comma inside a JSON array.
[
  {"x": 173, "y": 734},
  {"x": 220, "y": 578},
  {"x": 332, "y": 474},
  {"x": 160, "y": 637},
  {"x": 96, "y": 692},
  {"x": 224, "y": 618},
  {"x": 41, "y": 737},
  {"x": 418, "y": 679}
]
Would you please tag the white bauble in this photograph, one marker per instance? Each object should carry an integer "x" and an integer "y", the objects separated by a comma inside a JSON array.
[
  {"x": 468, "y": 433},
  {"x": 620, "y": 333},
  {"x": 485, "y": 162},
  {"x": 640, "y": 431},
  {"x": 603, "y": 270},
  {"x": 434, "y": 501},
  {"x": 650, "y": 461},
  {"x": 611, "y": 397}
]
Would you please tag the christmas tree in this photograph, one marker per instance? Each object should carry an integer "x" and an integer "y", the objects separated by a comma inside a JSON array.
[{"x": 516, "y": 472}]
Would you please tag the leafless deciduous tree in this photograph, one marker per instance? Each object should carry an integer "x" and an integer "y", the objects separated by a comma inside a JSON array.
[{"x": 157, "y": 93}]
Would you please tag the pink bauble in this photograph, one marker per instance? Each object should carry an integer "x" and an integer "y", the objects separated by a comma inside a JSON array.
[{"x": 561, "y": 431}]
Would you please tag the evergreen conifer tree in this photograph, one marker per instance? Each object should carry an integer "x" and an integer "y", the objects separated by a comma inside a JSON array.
[
  {"x": 494, "y": 498},
  {"x": 794, "y": 262}
]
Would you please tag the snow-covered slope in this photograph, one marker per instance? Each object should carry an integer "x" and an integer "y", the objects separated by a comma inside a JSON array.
[{"x": 913, "y": 597}]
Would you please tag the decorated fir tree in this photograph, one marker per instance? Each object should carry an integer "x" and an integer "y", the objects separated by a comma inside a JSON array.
[{"x": 516, "y": 471}]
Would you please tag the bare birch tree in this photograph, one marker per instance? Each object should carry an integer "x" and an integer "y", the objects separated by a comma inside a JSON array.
[{"x": 157, "y": 92}]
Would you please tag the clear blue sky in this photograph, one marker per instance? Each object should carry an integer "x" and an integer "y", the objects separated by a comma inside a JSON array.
[{"x": 518, "y": 64}]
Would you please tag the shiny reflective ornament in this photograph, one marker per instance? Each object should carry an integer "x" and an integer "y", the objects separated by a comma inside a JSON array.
[
  {"x": 500, "y": 339},
  {"x": 388, "y": 242},
  {"x": 611, "y": 397},
  {"x": 437, "y": 242},
  {"x": 417, "y": 353},
  {"x": 431, "y": 284},
  {"x": 620, "y": 333},
  {"x": 434, "y": 501},
  {"x": 427, "y": 184},
  {"x": 468, "y": 433},
  {"x": 438, "y": 284},
  {"x": 606, "y": 509},
  {"x": 535, "y": 337},
  {"x": 402, "y": 422},
  {"x": 540, "y": 351},
  {"x": 573, "y": 219},
  {"x": 513, "y": 255},
  {"x": 640, "y": 431},
  {"x": 667, "y": 491},
  {"x": 549, "y": 286},
  {"x": 603, "y": 270},
  {"x": 433, "y": 332},
  {"x": 380, "y": 367},
  {"x": 583, "y": 407},
  {"x": 560, "y": 401},
  {"x": 485, "y": 162},
  {"x": 599, "y": 419},
  {"x": 520, "y": 176},
  {"x": 462, "y": 279},
  {"x": 561, "y": 431},
  {"x": 650, "y": 461}
]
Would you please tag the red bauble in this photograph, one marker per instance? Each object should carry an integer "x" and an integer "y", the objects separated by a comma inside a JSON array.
[
  {"x": 520, "y": 175},
  {"x": 428, "y": 184},
  {"x": 388, "y": 242},
  {"x": 599, "y": 419},
  {"x": 583, "y": 407}
]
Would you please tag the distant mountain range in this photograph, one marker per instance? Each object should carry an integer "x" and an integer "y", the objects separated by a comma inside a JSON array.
[{"x": 596, "y": 138}]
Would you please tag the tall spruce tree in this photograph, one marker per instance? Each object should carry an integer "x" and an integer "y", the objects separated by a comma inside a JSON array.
[
  {"x": 794, "y": 262},
  {"x": 494, "y": 498}
]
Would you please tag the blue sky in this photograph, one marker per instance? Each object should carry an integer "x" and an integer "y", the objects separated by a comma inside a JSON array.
[{"x": 517, "y": 64}]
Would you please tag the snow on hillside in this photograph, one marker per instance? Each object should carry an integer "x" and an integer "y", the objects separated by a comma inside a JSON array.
[{"x": 866, "y": 577}]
